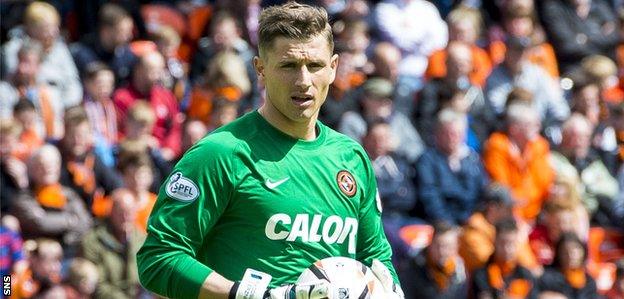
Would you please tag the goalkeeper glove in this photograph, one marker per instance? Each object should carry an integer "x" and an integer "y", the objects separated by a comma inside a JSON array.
[
  {"x": 255, "y": 285},
  {"x": 392, "y": 290}
]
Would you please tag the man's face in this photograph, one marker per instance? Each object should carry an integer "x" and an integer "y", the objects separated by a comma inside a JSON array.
[
  {"x": 122, "y": 32},
  {"x": 443, "y": 247},
  {"x": 378, "y": 142},
  {"x": 225, "y": 34},
  {"x": 450, "y": 137},
  {"x": 78, "y": 140},
  {"x": 297, "y": 75},
  {"x": 138, "y": 178},
  {"x": 48, "y": 263},
  {"x": 101, "y": 86},
  {"x": 506, "y": 246},
  {"x": 578, "y": 140},
  {"x": 46, "y": 170},
  {"x": 27, "y": 67},
  {"x": 561, "y": 222},
  {"x": 459, "y": 61},
  {"x": 45, "y": 32},
  {"x": 463, "y": 31},
  {"x": 150, "y": 72},
  {"x": 387, "y": 64},
  {"x": 519, "y": 27},
  {"x": 123, "y": 213}
]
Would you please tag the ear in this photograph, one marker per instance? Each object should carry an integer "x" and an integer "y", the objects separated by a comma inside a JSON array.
[
  {"x": 259, "y": 67},
  {"x": 333, "y": 64}
]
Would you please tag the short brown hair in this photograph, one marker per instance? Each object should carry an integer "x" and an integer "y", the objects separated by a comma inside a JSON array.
[
  {"x": 111, "y": 14},
  {"x": 133, "y": 154},
  {"x": 142, "y": 113},
  {"x": 75, "y": 116},
  {"x": 295, "y": 21}
]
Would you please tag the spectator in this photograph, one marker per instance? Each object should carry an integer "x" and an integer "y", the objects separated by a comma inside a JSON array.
[
  {"x": 568, "y": 276},
  {"x": 41, "y": 24},
  {"x": 438, "y": 271},
  {"x": 25, "y": 114},
  {"x": 111, "y": 43},
  {"x": 50, "y": 209},
  {"x": 136, "y": 167},
  {"x": 502, "y": 276},
  {"x": 195, "y": 130},
  {"x": 354, "y": 38},
  {"x": 145, "y": 86},
  {"x": 559, "y": 217},
  {"x": 579, "y": 28},
  {"x": 395, "y": 176},
  {"x": 520, "y": 21},
  {"x": 175, "y": 79},
  {"x": 617, "y": 290},
  {"x": 42, "y": 272},
  {"x": 99, "y": 82},
  {"x": 225, "y": 35},
  {"x": 82, "y": 170},
  {"x": 377, "y": 104},
  {"x": 464, "y": 28},
  {"x": 223, "y": 112},
  {"x": 11, "y": 250},
  {"x": 343, "y": 93},
  {"x": 516, "y": 71},
  {"x": 226, "y": 79},
  {"x": 518, "y": 159},
  {"x": 455, "y": 86},
  {"x": 23, "y": 84},
  {"x": 13, "y": 171},
  {"x": 416, "y": 28},
  {"x": 82, "y": 278},
  {"x": 112, "y": 247},
  {"x": 476, "y": 242},
  {"x": 450, "y": 175},
  {"x": 576, "y": 158},
  {"x": 604, "y": 71},
  {"x": 138, "y": 127}
]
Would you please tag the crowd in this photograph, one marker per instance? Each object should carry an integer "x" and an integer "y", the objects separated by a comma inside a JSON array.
[{"x": 495, "y": 129}]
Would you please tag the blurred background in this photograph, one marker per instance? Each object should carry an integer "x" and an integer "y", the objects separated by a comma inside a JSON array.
[{"x": 488, "y": 123}]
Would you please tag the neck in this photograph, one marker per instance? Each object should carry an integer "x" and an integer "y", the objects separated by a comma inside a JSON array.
[{"x": 305, "y": 130}]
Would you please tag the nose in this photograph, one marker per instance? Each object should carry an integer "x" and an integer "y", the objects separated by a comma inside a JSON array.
[{"x": 304, "y": 78}]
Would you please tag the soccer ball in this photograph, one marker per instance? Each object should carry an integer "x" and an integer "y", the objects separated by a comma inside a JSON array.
[{"x": 350, "y": 278}]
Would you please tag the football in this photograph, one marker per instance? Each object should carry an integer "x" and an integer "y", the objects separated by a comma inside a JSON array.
[{"x": 350, "y": 278}]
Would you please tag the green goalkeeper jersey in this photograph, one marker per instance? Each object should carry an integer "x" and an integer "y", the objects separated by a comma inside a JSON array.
[{"x": 250, "y": 196}]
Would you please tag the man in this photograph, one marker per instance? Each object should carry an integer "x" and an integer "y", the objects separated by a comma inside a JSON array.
[
  {"x": 146, "y": 86},
  {"x": 41, "y": 272},
  {"x": 111, "y": 44},
  {"x": 450, "y": 175},
  {"x": 476, "y": 242},
  {"x": 502, "y": 276},
  {"x": 516, "y": 71},
  {"x": 518, "y": 159},
  {"x": 438, "y": 271},
  {"x": 376, "y": 102},
  {"x": 112, "y": 246},
  {"x": 576, "y": 159},
  {"x": 242, "y": 199}
]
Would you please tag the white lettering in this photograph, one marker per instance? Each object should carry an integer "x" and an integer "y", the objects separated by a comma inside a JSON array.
[
  {"x": 314, "y": 230},
  {"x": 332, "y": 221},
  {"x": 269, "y": 230},
  {"x": 299, "y": 228}
]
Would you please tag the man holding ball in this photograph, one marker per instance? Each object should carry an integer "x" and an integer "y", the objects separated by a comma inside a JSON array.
[{"x": 255, "y": 203}]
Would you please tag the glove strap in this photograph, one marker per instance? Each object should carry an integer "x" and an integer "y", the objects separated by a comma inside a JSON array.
[{"x": 254, "y": 285}]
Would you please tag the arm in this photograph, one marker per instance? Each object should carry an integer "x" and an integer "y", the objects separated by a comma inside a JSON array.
[
  {"x": 72, "y": 87},
  {"x": 371, "y": 239},
  {"x": 428, "y": 192},
  {"x": 167, "y": 262},
  {"x": 35, "y": 219}
]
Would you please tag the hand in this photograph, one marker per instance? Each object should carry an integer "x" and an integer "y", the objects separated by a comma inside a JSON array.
[
  {"x": 255, "y": 285},
  {"x": 393, "y": 291}
]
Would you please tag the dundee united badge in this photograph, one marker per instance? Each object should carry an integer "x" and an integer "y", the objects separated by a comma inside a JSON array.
[{"x": 346, "y": 183}]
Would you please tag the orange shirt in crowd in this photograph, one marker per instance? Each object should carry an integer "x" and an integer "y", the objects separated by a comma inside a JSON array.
[
  {"x": 528, "y": 175},
  {"x": 476, "y": 245},
  {"x": 29, "y": 141},
  {"x": 481, "y": 65},
  {"x": 200, "y": 107},
  {"x": 542, "y": 55},
  {"x": 102, "y": 206}
]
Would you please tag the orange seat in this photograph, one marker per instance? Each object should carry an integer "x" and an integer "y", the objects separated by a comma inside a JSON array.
[{"x": 418, "y": 236}]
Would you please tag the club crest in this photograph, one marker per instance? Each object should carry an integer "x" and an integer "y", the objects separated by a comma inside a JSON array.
[{"x": 346, "y": 183}]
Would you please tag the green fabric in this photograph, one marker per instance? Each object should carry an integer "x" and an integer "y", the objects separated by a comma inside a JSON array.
[{"x": 267, "y": 202}]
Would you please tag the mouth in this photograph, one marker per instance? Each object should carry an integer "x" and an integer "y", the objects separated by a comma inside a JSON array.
[{"x": 303, "y": 100}]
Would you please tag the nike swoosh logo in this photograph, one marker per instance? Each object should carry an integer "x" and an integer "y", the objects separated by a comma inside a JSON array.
[{"x": 273, "y": 185}]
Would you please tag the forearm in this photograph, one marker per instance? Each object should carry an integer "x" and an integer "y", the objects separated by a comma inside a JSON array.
[{"x": 215, "y": 287}]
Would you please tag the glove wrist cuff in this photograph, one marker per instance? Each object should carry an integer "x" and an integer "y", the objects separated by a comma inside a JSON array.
[{"x": 254, "y": 285}]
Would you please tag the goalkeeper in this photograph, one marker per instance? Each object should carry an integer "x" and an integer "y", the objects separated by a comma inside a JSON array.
[{"x": 272, "y": 192}]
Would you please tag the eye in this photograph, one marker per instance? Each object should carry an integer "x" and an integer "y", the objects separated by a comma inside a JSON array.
[
  {"x": 288, "y": 65},
  {"x": 315, "y": 66}
]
